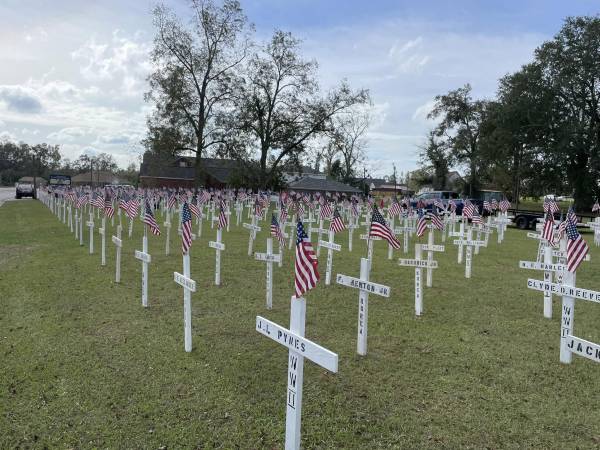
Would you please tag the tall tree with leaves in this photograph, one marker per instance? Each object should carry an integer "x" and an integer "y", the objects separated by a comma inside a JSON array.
[
  {"x": 461, "y": 117},
  {"x": 436, "y": 156},
  {"x": 193, "y": 79},
  {"x": 570, "y": 67},
  {"x": 280, "y": 110}
]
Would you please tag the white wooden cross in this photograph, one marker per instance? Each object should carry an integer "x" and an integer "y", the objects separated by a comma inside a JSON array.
[
  {"x": 481, "y": 228},
  {"x": 406, "y": 230},
  {"x": 189, "y": 286},
  {"x": 219, "y": 247},
  {"x": 390, "y": 248},
  {"x": 102, "y": 231},
  {"x": 365, "y": 287},
  {"x": 430, "y": 247},
  {"x": 253, "y": 229},
  {"x": 595, "y": 225},
  {"x": 370, "y": 239},
  {"x": 239, "y": 207},
  {"x": 119, "y": 244},
  {"x": 81, "y": 227},
  {"x": 501, "y": 221},
  {"x": 168, "y": 237},
  {"x": 269, "y": 258},
  {"x": 461, "y": 234},
  {"x": 548, "y": 267},
  {"x": 570, "y": 344},
  {"x": 76, "y": 224},
  {"x": 90, "y": 224},
  {"x": 145, "y": 257},
  {"x": 330, "y": 246},
  {"x": 469, "y": 243},
  {"x": 320, "y": 232},
  {"x": 299, "y": 348},
  {"x": 351, "y": 228},
  {"x": 70, "y": 217},
  {"x": 418, "y": 264}
]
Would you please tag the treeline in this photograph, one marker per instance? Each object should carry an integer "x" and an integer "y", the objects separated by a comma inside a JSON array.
[
  {"x": 40, "y": 160},
  {"x": 540, "y": 135},
  {"x": 218, "y": 92}
]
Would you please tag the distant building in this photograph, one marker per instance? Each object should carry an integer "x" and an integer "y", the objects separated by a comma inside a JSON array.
[
  {"x": 313, "y": 184},
  {"x": 305, "y": 171},
  {"x": 96, "y": 178},
  {"x": 386, "y": 189},
  {"x": 39, "y": 180},
  {"x": 181, "y": 171}
]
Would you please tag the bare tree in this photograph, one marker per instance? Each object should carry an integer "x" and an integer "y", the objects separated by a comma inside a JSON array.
[
  {"x": 348, "y": 137},
  {"x": 194, "y": 80}
]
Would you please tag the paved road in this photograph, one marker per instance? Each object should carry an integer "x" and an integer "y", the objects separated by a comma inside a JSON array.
[{"x": 8, "y": 193}]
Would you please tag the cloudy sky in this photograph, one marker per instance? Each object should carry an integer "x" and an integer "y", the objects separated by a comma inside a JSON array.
[{"x": 72, "y": 72}]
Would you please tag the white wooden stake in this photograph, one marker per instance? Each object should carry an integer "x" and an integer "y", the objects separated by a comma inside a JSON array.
[
  {"x": 218, "y": 259},
  {"x": 568, "y": 316},
  {"x": 461, "y": 230},
  {"x": 418, "y": 283},
  {"x": 118, "y": 243},
  {"x": 187, "y": 306},
  {"x": 390, "y": 248},
  {"x": 331, "y": 246},
  {"x": 469, "y": 254},
  {"x": 293, "y": 415},
  {"x": 76, "y": 225},
  {"x": 168, "y": 237},
  {"x": 548, "y": 278},
  {"x": 429, "y": 271},
  {"x": 102, "y": 232},
  {"x": 90, "y": 224},
  {"x": 81, "y": 228}
]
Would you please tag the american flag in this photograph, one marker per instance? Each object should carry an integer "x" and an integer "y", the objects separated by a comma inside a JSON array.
[
  {"x": 380, "y": 228},
  {"x": 504, "y": 205},
  {"x": 436, "y": 221},
  {"x": 487, "y": 206},
  {"x": 186, "y": 228},
  {"x": 326, "y": 211},
  {"x": 421, "y": 223},
  {"x": 337, "y": 224},
  {"x": 109, "y": 210},
  {"x": 276, "y": 230},
  {"x": 596, "y": 207},
  {"x": 354, "y": 209},
  {"x": 452, "y": 205},
  {"x": 476, "y": 217},
  {"x": 171, "y": 200},
  {"x": 577, "y": 248},
  {"x": 494, "y": 204},
  {"x": 395, "y": 208},
  {"x": 299, "y": 209},
  {"x": 468, "y": 210},
  {"x": 222, "y": 216},
  {"x": 551, "y": 206},
  {"x": 548, "y": 230},
  {"x": 98, "y": 200},
  {"x": 283, "y": 214},
  {"x": 81, "y": 200},
  {"x": 307, "y": 273},
  {"x": 439, "y": 204},
  {"x": 132, "y": 207},
  {"x": 194, "y": 207},
  {"x": 123, "y": 200},
  {"x": 150, "y": 220}
]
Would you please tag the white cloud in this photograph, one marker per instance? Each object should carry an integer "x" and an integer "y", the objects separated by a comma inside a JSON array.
[
  {"x": 20, "y": 99},
  {"x": 6, "y": 136},
  {"x": 67, "y": 134},
  {"x": 123, "y": 59}
]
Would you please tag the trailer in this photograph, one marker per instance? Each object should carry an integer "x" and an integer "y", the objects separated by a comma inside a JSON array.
[{"x": 527, "y": 219}]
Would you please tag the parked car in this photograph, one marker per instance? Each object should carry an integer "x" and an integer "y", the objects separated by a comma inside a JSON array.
[
  {"x": 444, "y": 196},
  {"x": 24, "y": 190}
]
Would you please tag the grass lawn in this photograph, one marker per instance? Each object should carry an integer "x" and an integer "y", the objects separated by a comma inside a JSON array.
[{"x": 83, "y": 365}]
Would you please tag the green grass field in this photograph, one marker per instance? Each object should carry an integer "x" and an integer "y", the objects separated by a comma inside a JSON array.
[{"x": 83, "y": 365}]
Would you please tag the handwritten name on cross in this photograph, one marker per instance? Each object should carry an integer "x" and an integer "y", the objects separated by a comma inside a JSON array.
[
  {"x": 189, "y": 286},
  {"x": 299, "y": 348},
  {"x": 365, "y": 287},
  {"x": 418, "y": 264}
]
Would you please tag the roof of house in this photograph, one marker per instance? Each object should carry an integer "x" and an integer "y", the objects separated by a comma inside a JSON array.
[
  {"x": 219, "y": 169},
  {"x": 319, "y": 184},
  {"x": 97, "y": 176}
]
